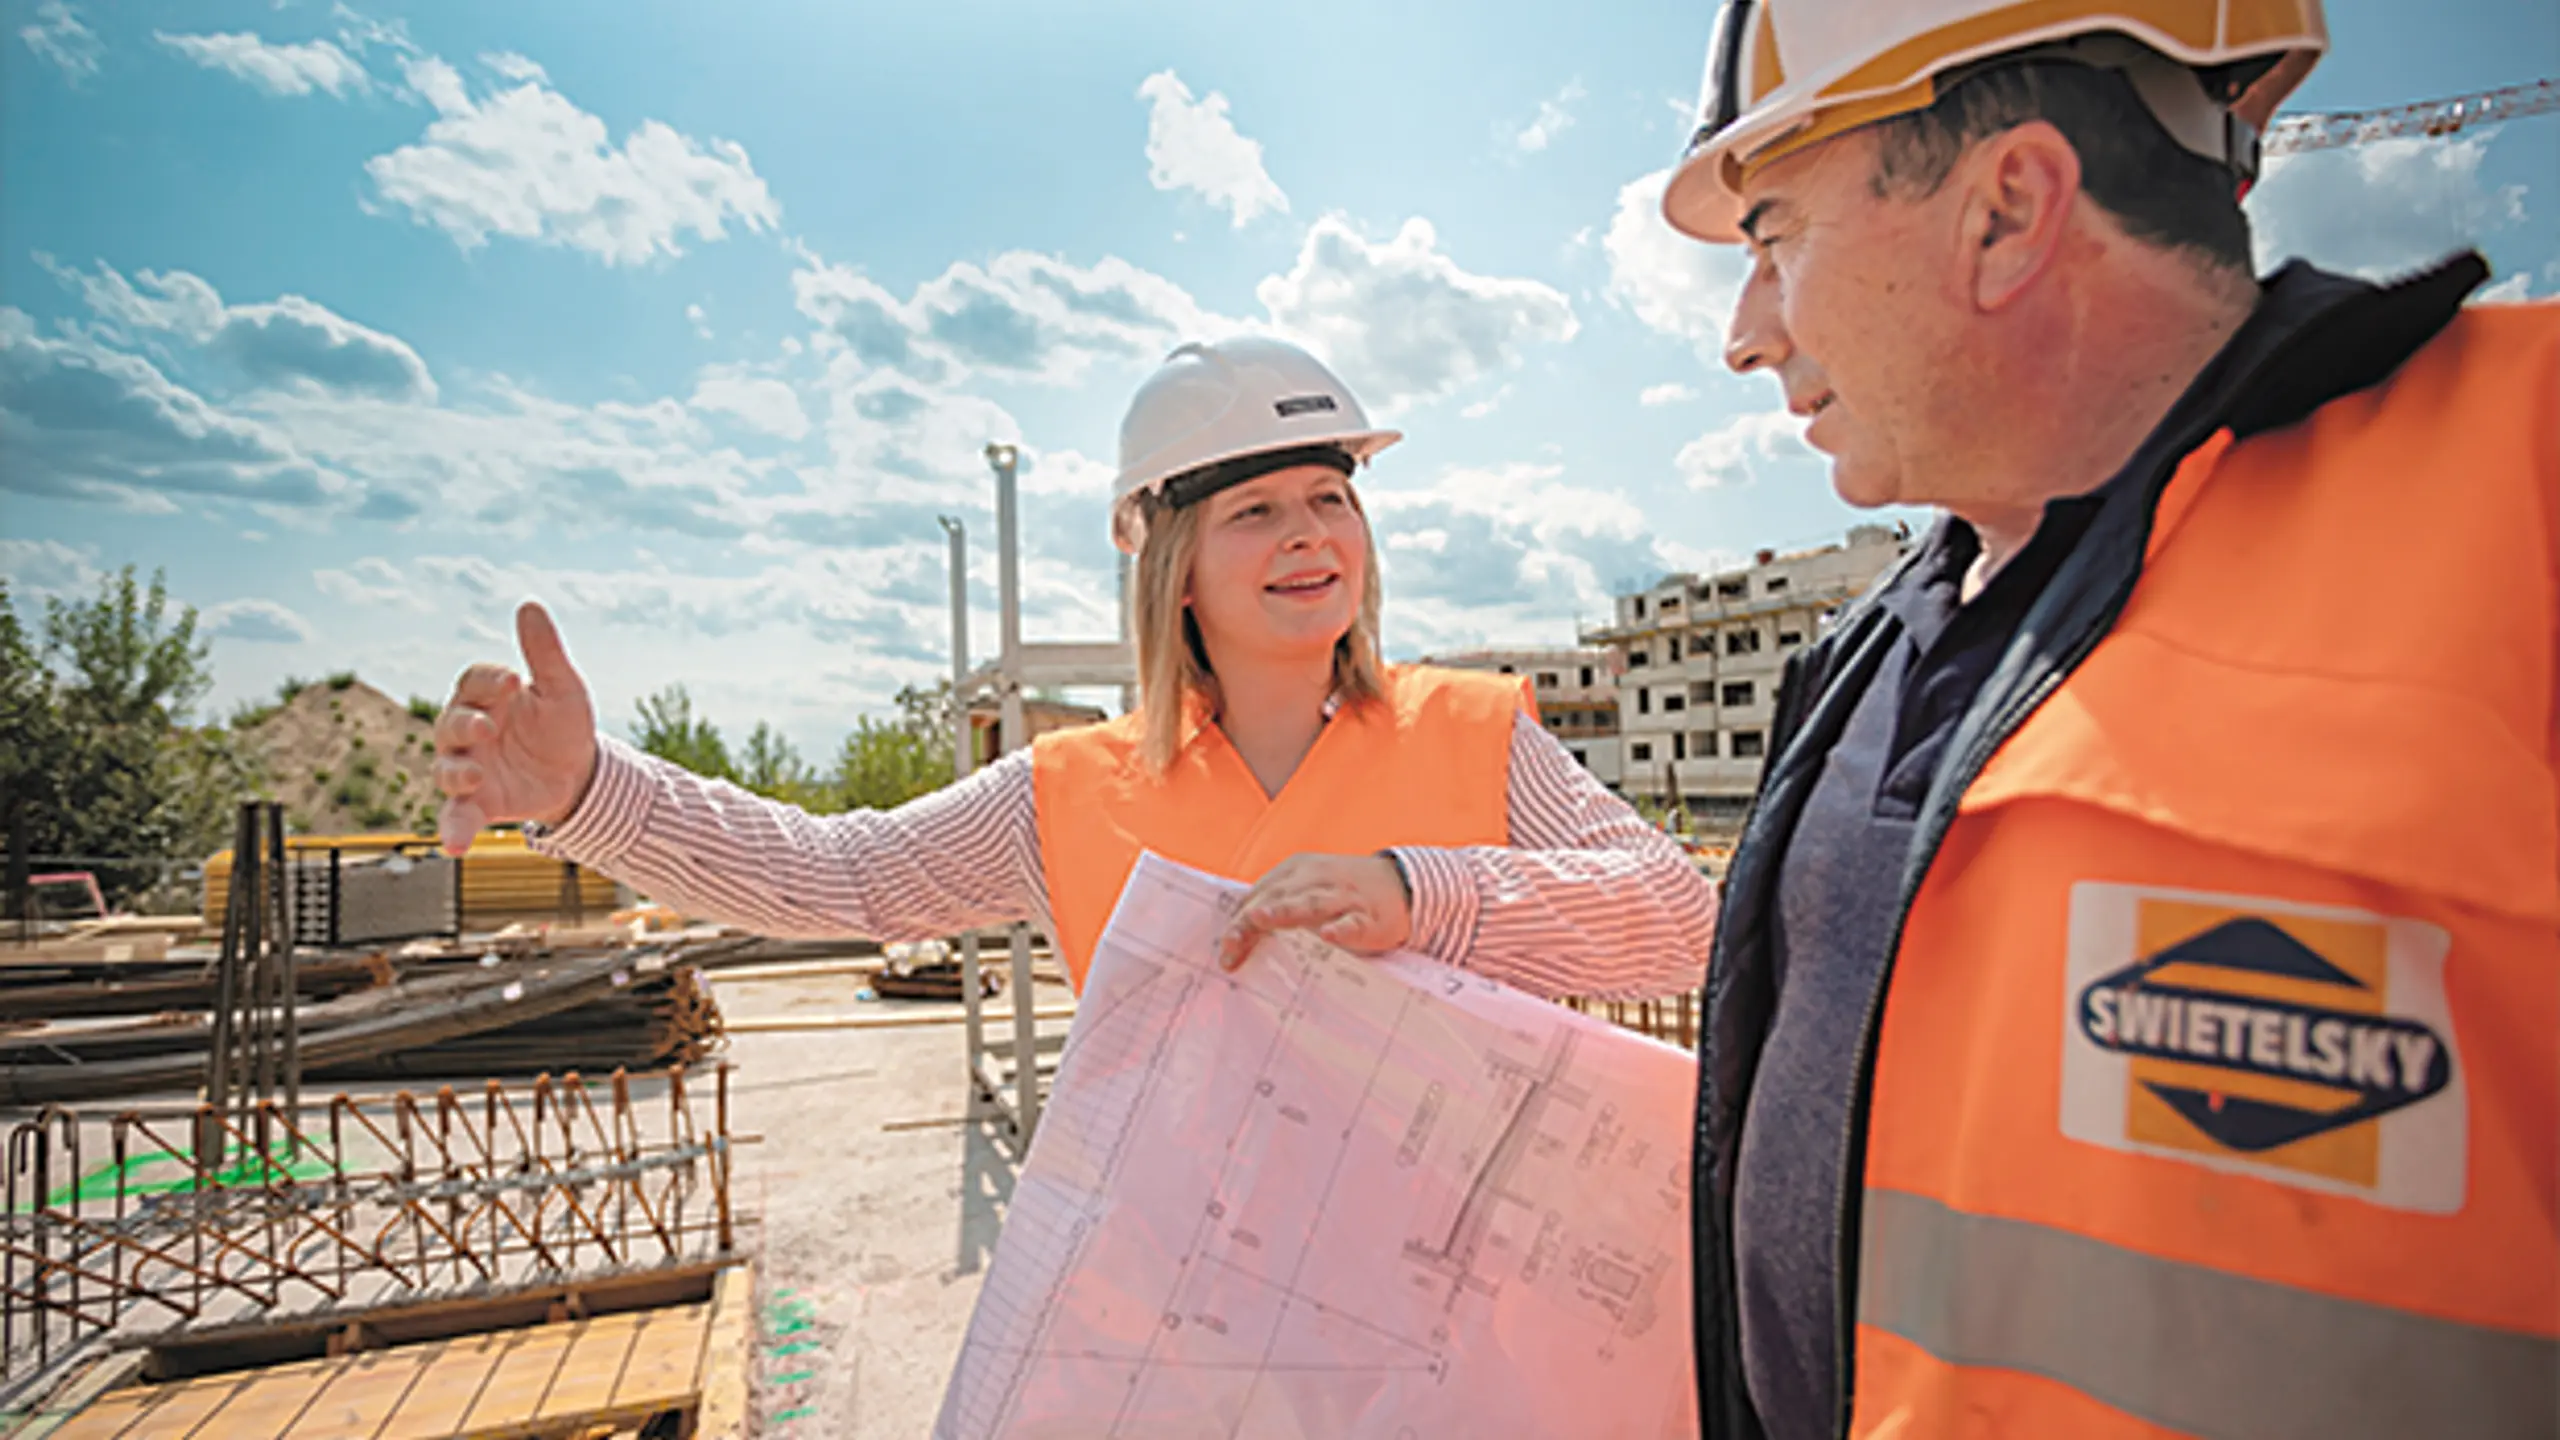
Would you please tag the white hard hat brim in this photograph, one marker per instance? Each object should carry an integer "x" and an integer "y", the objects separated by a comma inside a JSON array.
[{"x": 1128, "y": 517}]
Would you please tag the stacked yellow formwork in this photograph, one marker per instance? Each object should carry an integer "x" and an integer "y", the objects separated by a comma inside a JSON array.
[{"x": 503, "y": 880}]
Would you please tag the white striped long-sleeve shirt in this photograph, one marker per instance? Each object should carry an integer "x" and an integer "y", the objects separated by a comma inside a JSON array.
[{"x": 1587, "y": 900}]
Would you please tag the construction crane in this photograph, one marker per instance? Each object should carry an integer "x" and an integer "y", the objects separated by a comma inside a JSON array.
[{"x": 2291, "y": 134}]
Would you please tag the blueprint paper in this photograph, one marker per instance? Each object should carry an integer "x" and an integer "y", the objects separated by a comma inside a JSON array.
[{"x": 1332, "y": 1197}]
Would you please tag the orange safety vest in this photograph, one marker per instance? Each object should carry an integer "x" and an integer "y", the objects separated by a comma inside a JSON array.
[
  {"x": 1428, "y": 764},
  {"x": 2217, "y": 1088}
]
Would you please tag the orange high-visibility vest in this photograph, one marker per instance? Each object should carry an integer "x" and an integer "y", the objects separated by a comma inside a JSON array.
[
  {"x": 2217, "y": 1089},
  {"x": 1427, "y": 764}
]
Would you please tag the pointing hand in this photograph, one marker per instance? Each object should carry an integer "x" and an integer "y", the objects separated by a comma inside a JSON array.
[{"x": 508, "y": 749}]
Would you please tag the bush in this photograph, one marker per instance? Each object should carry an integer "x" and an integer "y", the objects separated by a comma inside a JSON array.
[
  {"x": 321, "y": 778},
  {"x": 378, "y": 817},
  {"x": 363, "y": 768},
  {"x": 424, "y": 708},
  {"x": 341, "y": 679}
]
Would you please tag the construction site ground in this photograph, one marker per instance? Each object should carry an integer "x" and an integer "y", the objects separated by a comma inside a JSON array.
[
  {"x": 880, "y": 1202},
  {"x": 875, "y": 1197}
]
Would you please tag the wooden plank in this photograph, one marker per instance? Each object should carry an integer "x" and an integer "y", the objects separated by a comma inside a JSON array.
[
  {"x": 592, "y": 1368},
  {"x": 723, "y": 1412},
  {"x": 666, "y": 1358},
  {"x": 528, "y": 1362},
  {"x": 367, "y": 1390},
  {"x": 614, "y": 1369},
  {"x": 264, "y": 1402},
  {"x": 112, "y": 1372},
  {"x": 445, "y": 1391},
  {"x": 104, "y": 1418}
]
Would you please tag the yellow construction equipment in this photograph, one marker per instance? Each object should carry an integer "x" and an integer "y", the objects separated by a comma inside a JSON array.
[{"x": 503, "y": 880}]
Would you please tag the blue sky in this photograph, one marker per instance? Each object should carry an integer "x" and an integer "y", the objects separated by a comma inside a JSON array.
[{"x": 367, "y": 323}]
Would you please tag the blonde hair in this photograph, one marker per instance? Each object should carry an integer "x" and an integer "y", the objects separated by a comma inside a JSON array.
[{"x": 1173, "y": 664}]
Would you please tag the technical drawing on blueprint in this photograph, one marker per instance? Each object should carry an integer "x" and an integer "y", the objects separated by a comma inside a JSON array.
[{"x": 1332, "y": 1197}]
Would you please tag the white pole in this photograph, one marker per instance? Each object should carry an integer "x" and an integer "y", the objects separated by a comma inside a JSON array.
[
  {"x": 972, "y": 1002},
  {"x": 1026, "y": 1056}
]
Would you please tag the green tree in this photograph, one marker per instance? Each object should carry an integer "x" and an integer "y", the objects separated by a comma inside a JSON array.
[
  {"x": 668, "y": 729},
  {"x": 885, "y": 763},
  {"x": 31, "y": 738},
  {"x": 129, "y": 661},
  {"x": 95, "y": 754},
  {"x": 769, "y": 764}
]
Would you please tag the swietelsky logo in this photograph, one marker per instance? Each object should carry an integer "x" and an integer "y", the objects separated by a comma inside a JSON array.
[
  {"x": 2302, "y": 1044},
  {"x": 2381, "y": 1061}
]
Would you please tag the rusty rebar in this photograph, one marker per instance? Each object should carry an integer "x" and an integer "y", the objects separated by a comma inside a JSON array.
[{"x": 411, "y": 1202}]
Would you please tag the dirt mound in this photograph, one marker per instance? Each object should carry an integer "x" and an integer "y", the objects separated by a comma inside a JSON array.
[{"x": 347, "y": 759}]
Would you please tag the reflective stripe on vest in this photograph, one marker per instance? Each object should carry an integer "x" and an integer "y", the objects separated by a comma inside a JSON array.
[
  {"x": 1428, "y": 764},
  {"x": 2194, "y": 1349},
  {"x": 2231, "y": 990}
]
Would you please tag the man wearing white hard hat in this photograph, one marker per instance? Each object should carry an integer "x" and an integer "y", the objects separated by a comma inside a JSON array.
[
  {"x": 2133, "y": 1009},
  {"x": 1381, "y": 807}
]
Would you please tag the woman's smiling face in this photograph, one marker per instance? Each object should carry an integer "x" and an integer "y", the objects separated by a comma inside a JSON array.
[{"x": 1281, "y": 567}]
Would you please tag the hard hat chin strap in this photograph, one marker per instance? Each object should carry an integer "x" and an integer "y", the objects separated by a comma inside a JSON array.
[{"x": 1193, "y": 486}]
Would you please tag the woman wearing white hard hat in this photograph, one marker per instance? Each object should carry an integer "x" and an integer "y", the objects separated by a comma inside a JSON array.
[{"x": 1382, "y": 807}]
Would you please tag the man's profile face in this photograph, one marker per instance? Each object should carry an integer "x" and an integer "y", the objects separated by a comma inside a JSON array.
[{"x": 1846, "y": 304}]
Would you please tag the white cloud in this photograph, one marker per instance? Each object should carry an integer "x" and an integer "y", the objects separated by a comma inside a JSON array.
[
  {"x": 758, "y": 402},
  {"x": 1192, "y": 145},
  {"x": 83, "y": 421},
  {"x": 1401, "y": 320},
  {"x": 295, "y": 341},
  {"x": 700, "y": 320},
  {"x": 296, "y": 69},
  {"x": 1669, "y": 392},
  {"x": 510, "y": 66},
  {"x": 47, "y": 567},
  {"x": 259, "y": 621},
  {"x": 1065, "y": 472},
  {"x": 1486, "y": 406},
  {"x": 59, "y": 39},
  {"x": 1021, "y": 314},
  {"x": 526, "y": 162},
  {"x": 1506, "y": 552},
  {"x": 2517, "y": 286},
  {"x": 174, "y": 301},
  {"x": 1723, "y": 456},
  {"x": 1555, "y": 116},
  {"x": 359, "y": 33},
  {"x": 371, "y": 581},
  {"x": 291, "y": 341},
  {"x": 2381, "y": 208},
  {"x": 1670, "y": 283}
]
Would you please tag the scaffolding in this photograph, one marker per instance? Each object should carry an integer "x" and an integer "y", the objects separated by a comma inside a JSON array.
[{"x": 1005, "y": 1074}]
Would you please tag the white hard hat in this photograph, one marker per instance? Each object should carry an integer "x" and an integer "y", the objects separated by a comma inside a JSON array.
[
  {"x": 1783, "y": 74},
  {"x": 1219, "y": 414}
]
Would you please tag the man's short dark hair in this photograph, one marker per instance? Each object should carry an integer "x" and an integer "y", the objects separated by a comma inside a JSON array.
[{"x": 2160, "y": 191}]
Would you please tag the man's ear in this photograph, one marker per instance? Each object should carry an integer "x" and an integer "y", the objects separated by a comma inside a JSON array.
[{"x": 2020, "y": 188}]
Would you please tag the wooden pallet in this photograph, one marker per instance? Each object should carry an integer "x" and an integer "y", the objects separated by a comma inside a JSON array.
[{"x": 610, "y": 1374}]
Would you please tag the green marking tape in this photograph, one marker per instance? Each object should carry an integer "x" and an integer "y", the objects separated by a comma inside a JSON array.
[
  {"x": 795, "y": 1377},
  {"x": 100, "y": 1184},
  {"x": 797, "y": 1412}
]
